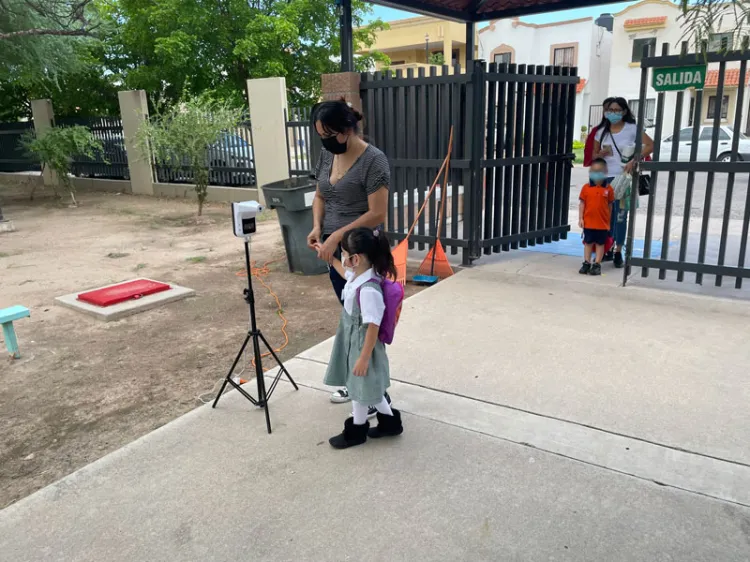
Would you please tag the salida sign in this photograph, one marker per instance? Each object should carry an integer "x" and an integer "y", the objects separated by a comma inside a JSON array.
[{"x": 679, "y": 78}]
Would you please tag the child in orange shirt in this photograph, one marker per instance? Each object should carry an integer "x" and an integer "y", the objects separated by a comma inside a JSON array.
[{"x": 594, "y": 212}]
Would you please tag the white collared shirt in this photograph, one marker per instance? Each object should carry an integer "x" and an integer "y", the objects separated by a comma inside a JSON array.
[{"x": 371, "y": 302}]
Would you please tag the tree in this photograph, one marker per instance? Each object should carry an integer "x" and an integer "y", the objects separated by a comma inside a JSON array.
[
  {"x": 56, "y": 149},
  {"x": 175, "y": 46},
  {"x": 700, "y": 18},
  {"x": 184, "y": 134},
  {"x": 43, "y": 45},
  {"x": 34, "y": 18}
]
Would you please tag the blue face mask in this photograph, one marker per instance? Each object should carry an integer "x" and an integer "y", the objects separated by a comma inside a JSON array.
[
  {"x": 613, "y": 117},
  {"x": 596, "y": 178}
]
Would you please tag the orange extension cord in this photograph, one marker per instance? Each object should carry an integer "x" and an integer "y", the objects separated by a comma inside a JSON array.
[{"x": 259, "y": 273}]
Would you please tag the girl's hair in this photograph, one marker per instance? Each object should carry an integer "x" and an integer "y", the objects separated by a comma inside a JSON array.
[
  {"x": 375, "y": 245},
  {"x": 336, "y": 117}
]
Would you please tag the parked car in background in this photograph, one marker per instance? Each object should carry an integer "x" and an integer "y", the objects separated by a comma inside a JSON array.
[
  {"x": 236, "y": 155},
  {"x": 231, "y": 160},
  {"x": 685, "y": 145}
]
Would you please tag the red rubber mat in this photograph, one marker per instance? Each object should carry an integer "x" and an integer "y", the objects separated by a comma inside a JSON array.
[{"x": 122, "y": 292}]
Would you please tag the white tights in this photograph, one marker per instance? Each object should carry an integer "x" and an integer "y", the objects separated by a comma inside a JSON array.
[{"x": 360, "y": 410}]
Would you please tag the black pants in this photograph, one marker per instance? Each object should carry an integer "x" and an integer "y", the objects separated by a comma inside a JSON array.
[{"x": 337, "y": 281}]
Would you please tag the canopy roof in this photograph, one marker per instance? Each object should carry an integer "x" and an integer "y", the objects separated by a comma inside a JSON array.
[{"x": 484, "y": 10}]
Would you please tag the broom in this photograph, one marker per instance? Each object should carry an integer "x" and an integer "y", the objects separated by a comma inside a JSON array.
[
  {"x": 436, "y": 256},
  {"x": 401, "y": 252}
]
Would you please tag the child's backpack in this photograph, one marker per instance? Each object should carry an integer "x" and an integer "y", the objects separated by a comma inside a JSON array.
[{"x": 393, "y": 297}]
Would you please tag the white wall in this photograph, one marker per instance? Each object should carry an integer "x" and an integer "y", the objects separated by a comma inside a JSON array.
[
  {"x": 532, "y": 45},
  {"x": 625, "y": 77}
]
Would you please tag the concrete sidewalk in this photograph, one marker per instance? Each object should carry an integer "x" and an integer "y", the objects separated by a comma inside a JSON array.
[
  {"x": 548, "y": 417},
  {"x": 214, "y": 486}
]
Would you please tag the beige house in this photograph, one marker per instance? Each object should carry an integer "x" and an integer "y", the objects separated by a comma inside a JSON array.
[
  {"x": 409, "y": 43},
  {"x": 653, "y": 23},
  {"x": 583, "y": 43}
]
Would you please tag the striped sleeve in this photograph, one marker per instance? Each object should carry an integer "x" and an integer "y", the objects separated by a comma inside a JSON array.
[{"x": 378, "y": 174}]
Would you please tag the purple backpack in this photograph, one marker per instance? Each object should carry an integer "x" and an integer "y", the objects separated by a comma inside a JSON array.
[{"x": 393, "y": 297}]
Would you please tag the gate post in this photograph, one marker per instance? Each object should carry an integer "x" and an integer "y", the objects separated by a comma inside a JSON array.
[
  {"x": 44, "y": 120},
  {"x": 134, "y": 113},
  {"x": 268, "y": 108},
  {"x": 473, "y": 226}
]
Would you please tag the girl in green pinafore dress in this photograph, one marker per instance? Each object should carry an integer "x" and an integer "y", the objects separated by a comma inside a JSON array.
[{"x": 358, "y": 360}]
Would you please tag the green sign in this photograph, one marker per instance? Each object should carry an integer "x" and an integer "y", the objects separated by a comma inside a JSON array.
[{"x": 679, "y": 78}]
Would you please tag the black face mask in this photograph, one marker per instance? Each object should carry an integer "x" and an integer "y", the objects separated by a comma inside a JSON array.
[{"x": 334, "y": 146}]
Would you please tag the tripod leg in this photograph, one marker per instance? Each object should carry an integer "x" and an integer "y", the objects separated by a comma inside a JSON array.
[
  {"x": 276, "y": 358},
  {"x": 231, "y": 370},
  {"x": 260, "y": 379}
]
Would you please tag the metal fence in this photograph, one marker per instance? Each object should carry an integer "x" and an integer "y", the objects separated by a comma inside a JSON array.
[
  {"x": 298, "y": 139},
  {"x": 13, "y": 157},
  {"x": 112, "y": 161},
  {"x": 510, "y": 165},
  {"x": 697, "y": 166},
  {"x": 596, "y": 113},
  {"x": 231, "y": 162}
]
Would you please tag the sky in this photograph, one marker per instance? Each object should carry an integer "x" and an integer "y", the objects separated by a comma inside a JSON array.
[{"x": 389, "y": 14}]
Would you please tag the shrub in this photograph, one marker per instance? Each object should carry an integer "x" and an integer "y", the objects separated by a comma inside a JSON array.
[
  {"x": 185, "y": 133},
  {"x": 56, "y": 148},
  {"x": 578, "y": 145}
]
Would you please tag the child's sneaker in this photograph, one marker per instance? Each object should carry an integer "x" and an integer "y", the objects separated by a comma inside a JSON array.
[
  {"x": 340, "y": 396},
  {"x": 585, "y": 268},
  {"x": 596, "y": 269}
]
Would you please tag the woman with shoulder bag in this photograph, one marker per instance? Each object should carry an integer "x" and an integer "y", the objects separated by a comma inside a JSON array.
[{"x": 619, "y": 131}]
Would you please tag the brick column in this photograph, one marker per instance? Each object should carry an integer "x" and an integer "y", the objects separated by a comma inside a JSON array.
[{"x": 342, "y": 84}]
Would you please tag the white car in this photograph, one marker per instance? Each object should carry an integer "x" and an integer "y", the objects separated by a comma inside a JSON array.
[{"x": 724, "y": 151}]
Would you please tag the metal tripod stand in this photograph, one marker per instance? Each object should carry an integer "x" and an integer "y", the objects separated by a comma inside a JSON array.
[{"x": 257, "y": 337}]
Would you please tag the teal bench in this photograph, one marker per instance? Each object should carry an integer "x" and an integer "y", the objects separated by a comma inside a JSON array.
[{"x": 7, "y": 316}]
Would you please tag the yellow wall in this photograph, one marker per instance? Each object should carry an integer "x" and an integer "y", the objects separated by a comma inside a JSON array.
[
  {"x": 732, "y": 93},
  {"x": 405, "y": 40}
]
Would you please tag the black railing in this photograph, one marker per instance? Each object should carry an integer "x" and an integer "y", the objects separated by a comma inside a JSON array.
[
  {"x": 231, "y": 162},
  {"x": 511, "y": 158},
  {"x": 112, "y": 160},
  {"x": 13, "y": 156},
  {"x": 713, "y": 167},
  {"x": 298, "y": 139}
]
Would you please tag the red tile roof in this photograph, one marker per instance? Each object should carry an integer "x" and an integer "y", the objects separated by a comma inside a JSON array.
[
  {"x": 581, "y": 85},
  {"x": 643, "y": 22},
  {"x": 731, "y": 78}
]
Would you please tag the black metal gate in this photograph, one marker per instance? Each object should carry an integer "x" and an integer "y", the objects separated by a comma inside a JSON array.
[
  {"x": 511, "y": 158},
  {"x": 596, "y": 113},
  {"x": 13, "y": 156},
  {"x": 705, "y": 166}
]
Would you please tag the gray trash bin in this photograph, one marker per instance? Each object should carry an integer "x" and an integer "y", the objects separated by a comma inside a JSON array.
[{"x": 293, "y": 199}]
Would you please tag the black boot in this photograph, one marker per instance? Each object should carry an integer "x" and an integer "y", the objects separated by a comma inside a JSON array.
[
  {"x": 351, "y": 436},
  {"x": 388, "y": 426}
]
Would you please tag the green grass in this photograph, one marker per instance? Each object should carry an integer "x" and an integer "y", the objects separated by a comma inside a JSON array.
[
  {"x": 4, "y": 255},
  {"x": 139, "y": 266},
  {"x": 579, "y": 155},
  {"x": 196, "y": 259}
]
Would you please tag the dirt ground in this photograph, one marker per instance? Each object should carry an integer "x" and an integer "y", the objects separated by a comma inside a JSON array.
[{"x": 84, "y": 388}]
